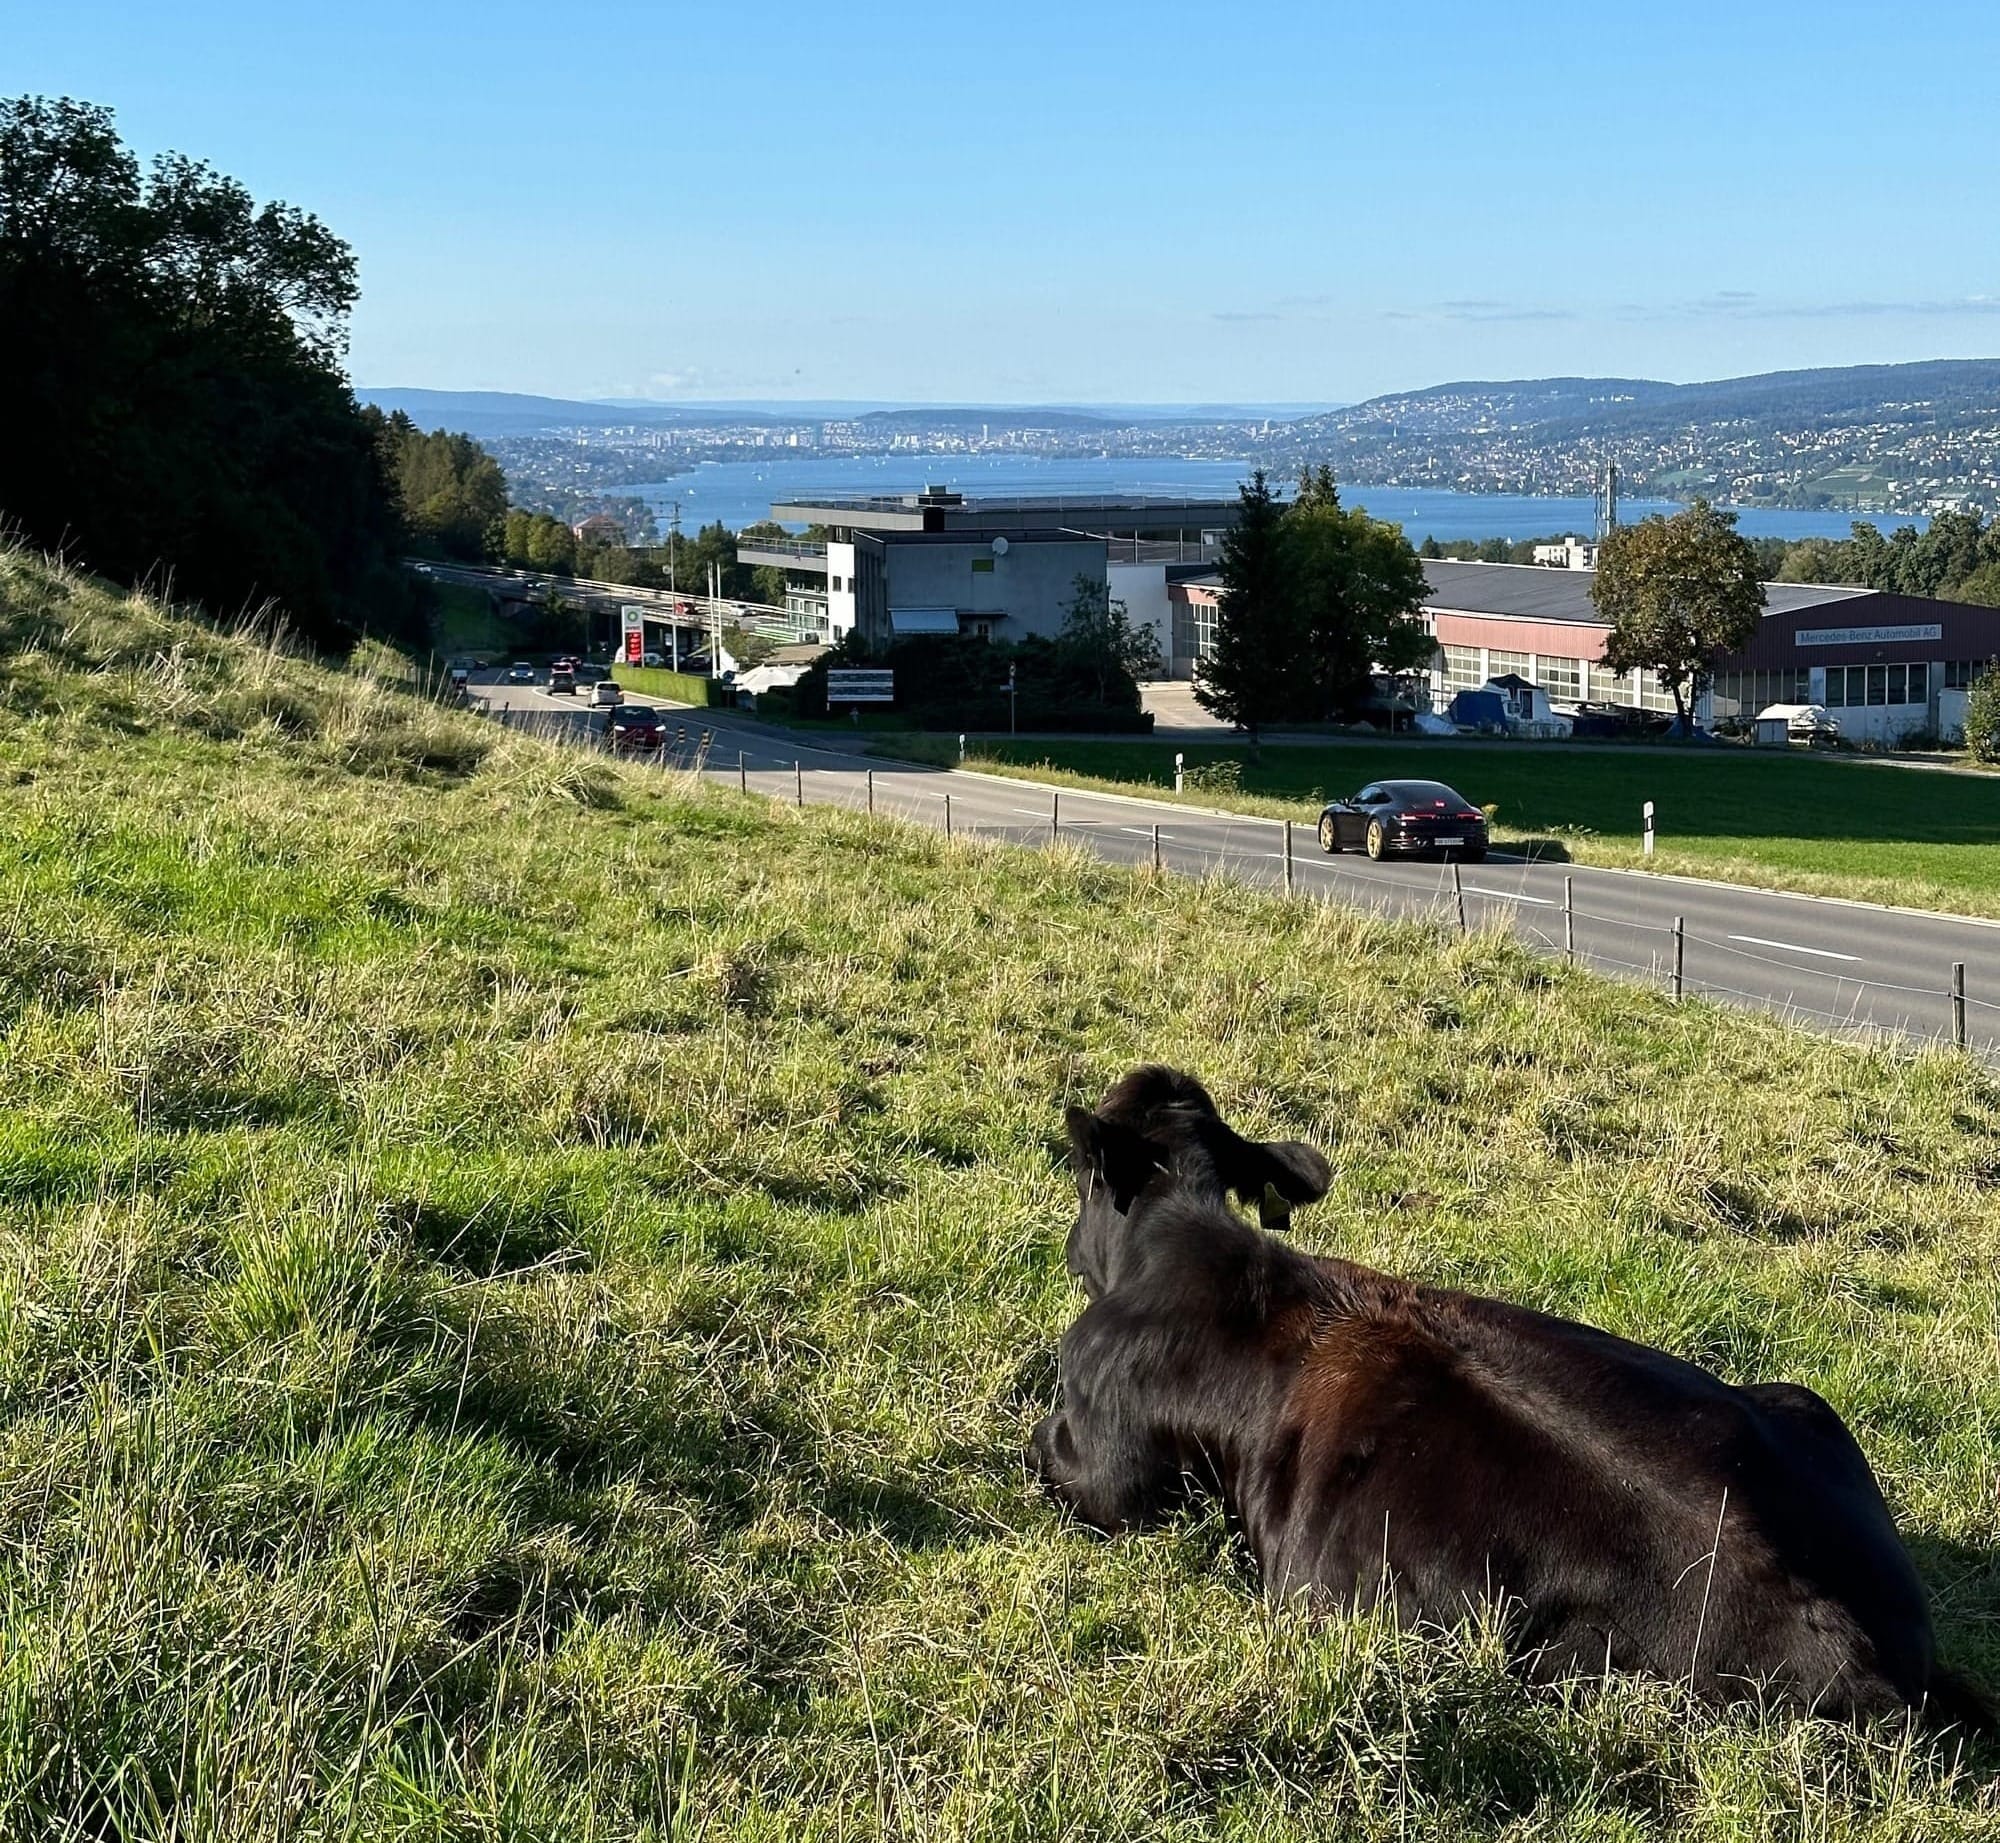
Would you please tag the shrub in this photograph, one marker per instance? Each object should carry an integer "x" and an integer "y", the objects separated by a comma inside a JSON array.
[{"x": 1982, "y": 715}]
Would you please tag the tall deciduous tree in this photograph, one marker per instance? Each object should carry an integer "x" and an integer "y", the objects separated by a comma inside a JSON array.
[
  {"x": 1250, "y": 679},
  {"x": 170, "y": 382},
  {"x": 1358, "y": 589},
  {"x": 1679, "y": 593}
]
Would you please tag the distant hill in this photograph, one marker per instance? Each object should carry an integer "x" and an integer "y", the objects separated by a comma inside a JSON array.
[
  {"x": 1913, "y": 438},
  {"x": 1933, "y": 388},
  {"x": 505, "y": 412}
]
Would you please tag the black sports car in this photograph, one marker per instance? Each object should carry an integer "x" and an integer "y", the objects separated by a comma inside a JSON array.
[{"x": 1394, "y": 818}]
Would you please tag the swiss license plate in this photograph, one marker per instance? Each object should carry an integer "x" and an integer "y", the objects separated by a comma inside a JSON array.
[{"x": 1447, "y": 841}]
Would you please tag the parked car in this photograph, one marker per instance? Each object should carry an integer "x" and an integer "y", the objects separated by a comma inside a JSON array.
[
  {"x": 652, "y": 659},
  {"x": 1397, "y": 818},
  {"x": 562, "y": 677},
  {"x": 520, "y": 673},
  {"x": 606, "y": 693},
  {"x": 634, "y": 729}
]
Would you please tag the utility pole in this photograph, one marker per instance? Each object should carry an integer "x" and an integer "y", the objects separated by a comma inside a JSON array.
[{"x": 674, "y": 611}]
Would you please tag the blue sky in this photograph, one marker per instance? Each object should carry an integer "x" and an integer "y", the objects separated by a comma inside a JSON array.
[{"x": 1103, "y": 202}]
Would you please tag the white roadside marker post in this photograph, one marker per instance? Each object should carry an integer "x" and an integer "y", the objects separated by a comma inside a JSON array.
[{"x": 1649, "y": 829}]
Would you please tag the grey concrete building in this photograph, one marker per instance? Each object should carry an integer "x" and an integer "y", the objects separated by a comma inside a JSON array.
[{"x": 999, "y": 568}]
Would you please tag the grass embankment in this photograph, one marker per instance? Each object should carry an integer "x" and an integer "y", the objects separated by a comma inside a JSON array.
[
  {"x": 465, "y": 625},
  {"x": 523, "y": 1286},
  {"x": 1912, "y": 836}
]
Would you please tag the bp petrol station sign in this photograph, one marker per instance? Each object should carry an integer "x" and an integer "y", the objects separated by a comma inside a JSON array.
[
  {"x": 634, "y": 617},
  {"x": 858, "y": 685}
]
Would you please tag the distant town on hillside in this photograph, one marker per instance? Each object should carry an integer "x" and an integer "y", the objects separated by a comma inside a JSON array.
[{"x": 1913, "y": 439}]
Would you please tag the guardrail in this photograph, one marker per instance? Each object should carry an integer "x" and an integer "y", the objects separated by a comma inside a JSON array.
[{"x": 1165, "y": 849}]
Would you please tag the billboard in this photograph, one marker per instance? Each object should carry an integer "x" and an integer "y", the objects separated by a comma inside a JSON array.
[{"x": 856, "y": 686}]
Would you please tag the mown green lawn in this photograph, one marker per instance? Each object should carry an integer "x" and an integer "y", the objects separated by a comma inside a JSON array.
[
  {"x": 1791, "y": 821},
  {"x": 523, "y": 1286}
]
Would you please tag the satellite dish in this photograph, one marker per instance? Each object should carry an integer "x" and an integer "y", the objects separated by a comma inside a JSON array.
[{"x": 999, "y": 547}]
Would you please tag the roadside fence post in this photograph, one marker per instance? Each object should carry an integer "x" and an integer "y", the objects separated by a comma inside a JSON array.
[
  {"x": 1569, "y": 919},
  {"x": 742, "y": 772},
  {"x": 1458, "y": 894},
  {"x": 799, "y": 781},
  {"x": 947, "y": 815},
  {"x": 1055, "y": 816},
  {"x": 1288, "y": 857},
  {"x": 1958, "y": 1004},
  {"x": 1680, "y": 944},
  {"x": 1156, "y": 850},
  {"x": 871, "y": 790}
]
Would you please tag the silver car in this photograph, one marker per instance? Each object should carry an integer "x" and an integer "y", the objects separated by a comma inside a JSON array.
[{"x": 606, "y": 691}]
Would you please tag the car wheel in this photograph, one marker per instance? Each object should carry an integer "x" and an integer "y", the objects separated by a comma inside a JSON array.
[
  {"x": 1474, "y": 854},
  {"x": 1329, "y": 838},
  {"x": 1378, "y": 840}
]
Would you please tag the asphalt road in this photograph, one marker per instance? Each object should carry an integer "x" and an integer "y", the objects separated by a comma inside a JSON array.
[{"x": 1847, "y": 967}]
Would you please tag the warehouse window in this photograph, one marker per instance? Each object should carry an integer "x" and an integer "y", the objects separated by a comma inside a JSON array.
[
  {"x": 1652, "y": 694},
  {"x": 1498, "y": 665},
  {"x": 1462, "y": 670},
  {"x": 1959, "y": 674},
  {"x": 1561, "y": 678}
]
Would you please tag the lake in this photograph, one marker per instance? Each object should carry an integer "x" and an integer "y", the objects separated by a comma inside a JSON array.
[{"x": 740, "y": 492}]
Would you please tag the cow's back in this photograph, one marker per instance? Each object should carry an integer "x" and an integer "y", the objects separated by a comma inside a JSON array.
[{"x": 1631, "y": 1511}]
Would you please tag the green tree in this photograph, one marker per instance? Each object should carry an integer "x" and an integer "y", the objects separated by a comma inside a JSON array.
[
  {"x": 747, "y": 649},
  {"x": 1099, "y": 646},
  {"x": 1982, "y": 587},
  {"x": 1251, "y": 677},
  {"x": 1358, "y": 591},
  {"x": 450, "y": 489},
  {"x": 1678, "y": 593},
  {"x": 551, "y": 546},
  {"x": 1826, "y": 560},
  {"x": 1982, "y": 715},
  {"x": 170, "y": 382}
]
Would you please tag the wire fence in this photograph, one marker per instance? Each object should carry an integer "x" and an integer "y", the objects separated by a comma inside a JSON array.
[{"x": 1265, "y": 852}]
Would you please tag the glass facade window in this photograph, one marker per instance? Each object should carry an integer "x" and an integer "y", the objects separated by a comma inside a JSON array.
[
  {"x": 1560, "y": 678},
  {"x": 1742, "y": 695},
  {"x": 1462, "y": 670},
  {"x": 1858, "y": 687},
  {"x": 1498, "y": 665},
  {"x": 1652, "y": 694},
  {"x": 1194, "y": 629},
  {"x": 1959, "y": 674}
]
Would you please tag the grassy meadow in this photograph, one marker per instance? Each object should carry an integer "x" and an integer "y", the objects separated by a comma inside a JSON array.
[
  {"x": 524, "y": 1283},
  {"x": 1909, "y": 836}
]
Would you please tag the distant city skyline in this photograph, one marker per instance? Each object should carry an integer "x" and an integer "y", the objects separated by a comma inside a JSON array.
[{"x": 1099, "y": 205}]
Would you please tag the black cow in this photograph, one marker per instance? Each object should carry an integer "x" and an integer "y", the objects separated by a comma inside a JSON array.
[{"x": 1382, "y": 1442}]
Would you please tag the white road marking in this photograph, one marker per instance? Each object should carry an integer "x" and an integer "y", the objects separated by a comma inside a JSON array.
[
  {"x": 1819, "y": 953},
  {"x": 1540, "y": 902}
]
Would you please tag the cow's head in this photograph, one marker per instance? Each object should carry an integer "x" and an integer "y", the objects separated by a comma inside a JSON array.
[{"x": 1158, "y": 1133}]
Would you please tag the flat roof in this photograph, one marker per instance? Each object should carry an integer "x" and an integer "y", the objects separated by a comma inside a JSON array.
[
  {"x": 1534, "y": 592},
  {"x": 1094, "y": 514}
]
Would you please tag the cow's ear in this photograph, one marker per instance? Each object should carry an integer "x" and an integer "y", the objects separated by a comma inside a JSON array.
[
  {"x": 1278, "y": 1174},
  {"x": 1122, "y": 1160}
]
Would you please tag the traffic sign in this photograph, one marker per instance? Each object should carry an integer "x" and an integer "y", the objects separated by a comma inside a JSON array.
[{"x": 851, "y": 685}]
